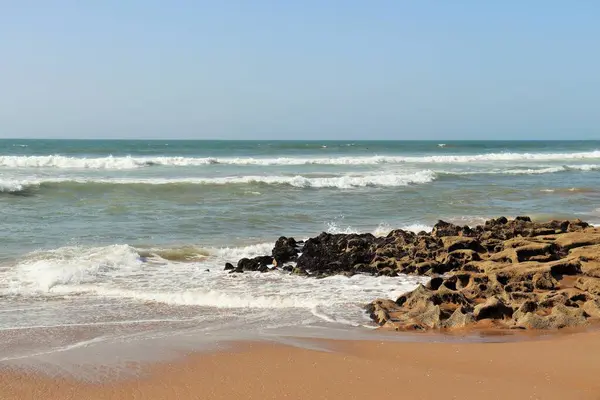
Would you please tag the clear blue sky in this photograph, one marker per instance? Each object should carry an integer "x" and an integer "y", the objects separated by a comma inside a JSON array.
[{"x": 300, "y": 69}]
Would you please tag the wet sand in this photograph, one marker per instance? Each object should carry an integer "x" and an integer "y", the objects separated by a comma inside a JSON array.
[{"x": 562, "y": 367}]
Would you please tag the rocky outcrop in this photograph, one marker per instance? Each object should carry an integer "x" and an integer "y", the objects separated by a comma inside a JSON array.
[
  {"x": 515, "y": 274},
  {"x": 534, "y": 276}
]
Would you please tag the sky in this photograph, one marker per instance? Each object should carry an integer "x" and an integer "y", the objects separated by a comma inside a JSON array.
[{"x": 311, "y": 69}]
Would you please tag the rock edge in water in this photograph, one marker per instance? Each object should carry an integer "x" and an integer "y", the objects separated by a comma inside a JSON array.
[{"x": 514, "y": 274}]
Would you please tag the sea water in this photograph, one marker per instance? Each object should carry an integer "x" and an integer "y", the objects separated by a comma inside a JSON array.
[{"x": 120, "y": 241}]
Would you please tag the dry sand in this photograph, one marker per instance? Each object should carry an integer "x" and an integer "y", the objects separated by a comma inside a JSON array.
[{"x": 563, "y": 367}]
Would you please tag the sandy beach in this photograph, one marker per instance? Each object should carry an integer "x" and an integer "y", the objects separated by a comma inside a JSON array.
[
  {"x": 561, "y": 367},
  {"x": 299, "y": 200}
]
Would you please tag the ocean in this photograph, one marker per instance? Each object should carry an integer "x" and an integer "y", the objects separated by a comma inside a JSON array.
[{"x": 115, "y": 241}]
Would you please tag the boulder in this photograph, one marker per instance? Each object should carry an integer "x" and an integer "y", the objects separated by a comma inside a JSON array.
[
  {"x": 336, "y": 253},
  {"x": 442, "y": 228},
  {"x": 285, "y": 250},
  {"x": 255, "y": 264}
]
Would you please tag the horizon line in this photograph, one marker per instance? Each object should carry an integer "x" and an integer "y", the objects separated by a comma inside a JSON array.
[{"x": 303, "y": 140}]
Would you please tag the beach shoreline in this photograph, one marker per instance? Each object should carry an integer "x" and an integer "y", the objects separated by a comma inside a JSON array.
[{"x": 555, "y": 367}]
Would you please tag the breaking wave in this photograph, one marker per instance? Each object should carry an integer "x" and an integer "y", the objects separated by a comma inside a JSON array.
[
  {"x": 14, "y": 186},
  {"x": 385, "y": 179},
  {"x": 129, "y": 162},
  {"x": 339, "y": 182},
  {"x": 550, "y": 170},
  {"x": 119, "y": 272}
]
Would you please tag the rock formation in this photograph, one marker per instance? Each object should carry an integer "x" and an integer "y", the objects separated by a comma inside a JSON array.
[{"x": 514, "y": 274}]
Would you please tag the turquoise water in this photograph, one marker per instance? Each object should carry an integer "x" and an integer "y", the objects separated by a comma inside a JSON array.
[{"x": 111, "y": 232}]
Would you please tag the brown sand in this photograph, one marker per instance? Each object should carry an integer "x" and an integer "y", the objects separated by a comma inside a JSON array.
[{"x": 563, "y": 367}]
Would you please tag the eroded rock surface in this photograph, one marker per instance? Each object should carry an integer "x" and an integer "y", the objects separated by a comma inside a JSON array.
[{"x": 505, "y": 274}]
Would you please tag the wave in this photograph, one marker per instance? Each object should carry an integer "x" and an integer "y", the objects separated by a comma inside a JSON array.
[
  {"x": 26, "y": 186},
  {"x": 389, "y": 179},
  {"x": 550, "y": 170},
  {"x": 41, "y": 271},
  {"x": 524, "y": 171},
  {"x": 129, "y": 162},
  {"x": 119, "y": 272},
  {"x": 339, "y": 182},
  {"x": 14, "y": 186}
]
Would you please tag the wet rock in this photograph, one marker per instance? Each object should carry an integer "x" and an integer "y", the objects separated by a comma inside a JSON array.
[
  {"x": 443, "y": 228},
  {"x": 379, "y": 310},
  {"x": 299, "y": 271},
  {"x": 336, "y": 253},
  {"x": 228, "y": 266},
  {"x": 255, "y": 264},
  {"x": 387, "y": 272},
  {"x": 285, "y": 250}
]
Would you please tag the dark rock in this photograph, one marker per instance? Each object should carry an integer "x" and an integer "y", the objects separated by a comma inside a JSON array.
[
  {"x": 255, "y": 264},
  {"x": 285, "y": 250},
  {"x": 337, "y": 253},
  {"x": 228, "y": 266},
  {"x": 443, "y": 228}
]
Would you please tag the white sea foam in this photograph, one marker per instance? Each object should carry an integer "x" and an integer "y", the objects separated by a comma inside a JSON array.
[
  {"x": 340, "y": 182},
  {"x": 43, "y": 271},
  {"x": 348, "y": 181},
  {"x": 12, "y": 186},
  {"x": 382, "y": 229},
  {"x": 129, "y": 162},
  {"x": 550, "y": 170},
  {"x": 57, "y": 161},
  {"x": 117, "y": 272},
  {"x": 416, "y": 228}
]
